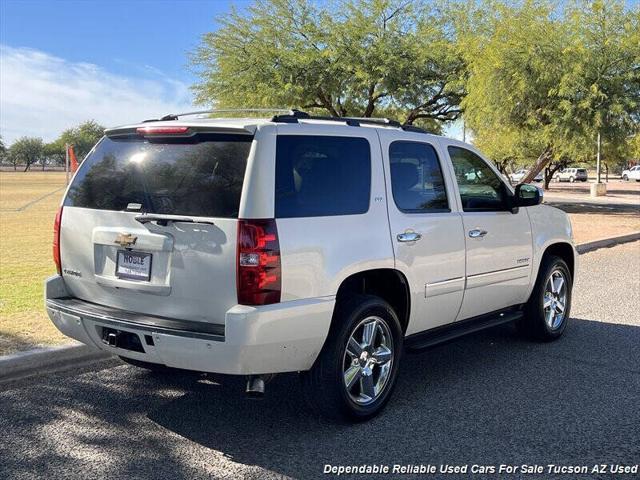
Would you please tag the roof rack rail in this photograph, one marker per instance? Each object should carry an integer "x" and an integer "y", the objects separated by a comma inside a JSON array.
[
  {"x": 175, "y": 116},
  {"x": 294, "y": 115},
  {"x": 413, "y": 128}
]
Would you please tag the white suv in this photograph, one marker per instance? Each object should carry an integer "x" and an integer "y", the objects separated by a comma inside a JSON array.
[
  {"x": 325, "y": 246},
  {"x": 572, "y": 175},
  {"x": 631, "y": 174}
]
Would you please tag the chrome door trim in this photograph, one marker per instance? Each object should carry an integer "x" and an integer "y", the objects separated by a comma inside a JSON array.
[
  {"x": 443, "y": 287},
  {"x": 497, "y": 276}
]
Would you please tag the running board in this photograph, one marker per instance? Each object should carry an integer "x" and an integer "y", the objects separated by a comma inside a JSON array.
[{"x": 446, "y": 333}]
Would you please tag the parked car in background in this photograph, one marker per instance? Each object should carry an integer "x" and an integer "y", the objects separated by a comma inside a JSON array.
[
  {"x": 324, "y": 246},
  {"x": 517, "y": 177},
  {"x": 571, "y": 175},
  {"x": 631, "y": 174}
]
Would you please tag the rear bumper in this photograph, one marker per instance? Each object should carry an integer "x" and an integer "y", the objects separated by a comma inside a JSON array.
[{"x": 283, "y": 337}]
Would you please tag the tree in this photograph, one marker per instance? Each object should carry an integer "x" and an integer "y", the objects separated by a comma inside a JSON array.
[
  {"x": 348, "y": 58},
  {"x": 602, "y": 85},
  {"x": 83, "y": 138},
  {"x": 3, "y": 150},
  {"x": 26, "y": 151},
  {"x": 54, "y": 153},
  {"x": 539, "y": 74}
]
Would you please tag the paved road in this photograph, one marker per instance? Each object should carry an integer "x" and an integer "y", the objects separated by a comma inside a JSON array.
[{"x": 487, "y": 399}]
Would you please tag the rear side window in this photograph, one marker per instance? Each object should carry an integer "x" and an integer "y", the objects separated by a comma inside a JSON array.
[
  {"x": 199, "y": 176},
  {"x": 416, "y": 178},
  {"x": 322, "y": 176}
]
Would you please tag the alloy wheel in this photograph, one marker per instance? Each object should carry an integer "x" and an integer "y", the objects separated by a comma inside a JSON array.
[
  {"x": 368, "y": 360},
  {"x": 555, "y": 299}
]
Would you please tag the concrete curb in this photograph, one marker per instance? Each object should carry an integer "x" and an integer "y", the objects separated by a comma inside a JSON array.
[
  {"x": 607, "y": 242},
  {"x": 46, "y": 360},
  {"x": 76, "y": 355}
]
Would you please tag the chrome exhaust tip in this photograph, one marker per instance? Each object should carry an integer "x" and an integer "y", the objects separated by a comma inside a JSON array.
[{"x": 255, "y": 386}]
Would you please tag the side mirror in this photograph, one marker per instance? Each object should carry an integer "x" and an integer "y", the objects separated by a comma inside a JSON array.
[{"x": 527, "y": 195}]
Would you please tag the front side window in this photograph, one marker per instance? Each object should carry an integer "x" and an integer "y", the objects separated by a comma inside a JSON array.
[
  {"x": 322, "y": 176},
  {"x": 481, "y": 190},
  {"x": 416, "y": 178}
]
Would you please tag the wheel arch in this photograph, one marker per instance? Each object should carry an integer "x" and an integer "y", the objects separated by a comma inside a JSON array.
[
  {"x": 560, "y": 248},
  {"x": 563, "y": 250},
  {"x": 387, "y": 283}
]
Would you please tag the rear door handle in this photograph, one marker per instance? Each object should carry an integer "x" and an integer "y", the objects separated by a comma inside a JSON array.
[
  {"x": 477, "y": 233},
  {"x": 409, "y": 237}
]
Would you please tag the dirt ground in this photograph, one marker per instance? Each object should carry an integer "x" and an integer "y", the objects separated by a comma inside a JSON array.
[
  {"x": 617, "y": 213},
  {"x": 588, "y": 227}
]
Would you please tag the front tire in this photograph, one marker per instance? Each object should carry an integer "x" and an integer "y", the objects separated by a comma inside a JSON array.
[
  {"x": 353, "y": 377},
  {"x": 548, "y": 309},
  {"x": 625, "y": 178}
]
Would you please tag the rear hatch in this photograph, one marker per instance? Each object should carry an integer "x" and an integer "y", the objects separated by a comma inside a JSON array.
[{"x": 149, "y": 223}]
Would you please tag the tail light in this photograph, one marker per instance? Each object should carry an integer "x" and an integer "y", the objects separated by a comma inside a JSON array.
[
  {"x": 56, "y": 241},
  {"x": 259, "y": 274}
]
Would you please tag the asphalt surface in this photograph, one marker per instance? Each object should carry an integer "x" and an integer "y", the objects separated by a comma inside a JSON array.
[{"x": 488, "y": 399}]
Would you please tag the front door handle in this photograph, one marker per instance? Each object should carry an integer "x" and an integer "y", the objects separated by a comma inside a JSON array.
[
  {"x": 409, "y": 237},
  {"x": 477, "y": 233}
]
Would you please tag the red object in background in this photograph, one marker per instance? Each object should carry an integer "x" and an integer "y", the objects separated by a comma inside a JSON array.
[
  {"x": 73, "y": 161},
  {"x": 56, "y": 241}
]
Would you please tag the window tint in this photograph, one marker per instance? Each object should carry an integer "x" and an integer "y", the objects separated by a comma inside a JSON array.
[
  {"x": 198, "y": 176},
  {"x": 480, "y": 188},
  {"x": 321, "y": 176},
  {"x": 416, "y": 178}
]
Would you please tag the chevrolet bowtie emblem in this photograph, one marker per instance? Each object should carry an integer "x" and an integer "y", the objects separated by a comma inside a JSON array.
[{"x": 126, "y": 239}]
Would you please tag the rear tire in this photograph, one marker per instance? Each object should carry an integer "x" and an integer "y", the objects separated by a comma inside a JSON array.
[
  {"x": 353, "y": 377},
  {"x": 571, "y": 179},
  {"x": 548, "y": 309}
]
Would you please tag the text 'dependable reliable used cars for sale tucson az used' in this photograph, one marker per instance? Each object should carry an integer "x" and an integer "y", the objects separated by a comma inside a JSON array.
[{"x": 319, "y": 245}]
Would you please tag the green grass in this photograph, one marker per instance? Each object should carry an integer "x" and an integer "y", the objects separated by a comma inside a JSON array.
[{"x": 25, "y": 257}]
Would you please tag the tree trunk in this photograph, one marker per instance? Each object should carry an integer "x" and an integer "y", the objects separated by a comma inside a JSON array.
[
  {"x": 547, "y": 178},
  {"x": 549, "y": 173},
  {"x": 542, "y": 162}
]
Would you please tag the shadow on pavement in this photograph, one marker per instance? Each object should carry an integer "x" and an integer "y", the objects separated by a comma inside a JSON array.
[
  {"x": 490, "y": 398},
  {"x": 618, "y": 209}
]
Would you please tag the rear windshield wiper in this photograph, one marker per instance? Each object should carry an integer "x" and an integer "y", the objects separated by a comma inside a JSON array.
[{"x": 164, "y": 220}]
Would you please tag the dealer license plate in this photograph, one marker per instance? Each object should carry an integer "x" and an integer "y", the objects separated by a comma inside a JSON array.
[{"x": 133, "y": 265}]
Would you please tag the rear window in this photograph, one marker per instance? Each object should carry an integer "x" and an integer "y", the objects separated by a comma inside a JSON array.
[
  {"x": 582, "y": 170},
  {"x": 322, "y": 176},
  {"x": 199, "y": 176}
]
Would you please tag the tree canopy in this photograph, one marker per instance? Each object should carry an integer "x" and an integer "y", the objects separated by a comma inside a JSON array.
[
  {"x": 83, "y": 137},
  {"x": 347, "y": 58},
  {"x": 547, "y": 81},
  {"x": 26, "y": 151}
]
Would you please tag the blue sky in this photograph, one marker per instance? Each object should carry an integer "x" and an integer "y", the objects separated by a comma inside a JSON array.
[
  {"x": 66, "y": 61},
  {"x": 124, "y": 37},
  {"x": 117, "y": 61}
]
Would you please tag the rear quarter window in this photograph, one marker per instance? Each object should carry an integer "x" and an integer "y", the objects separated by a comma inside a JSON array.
[
  {"x": 197, "y": 176},
  {"x": 322, "y": 176}
]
